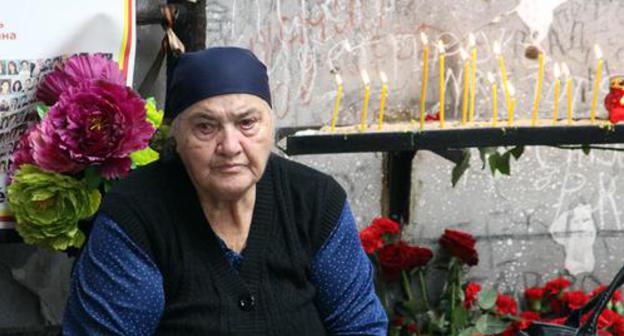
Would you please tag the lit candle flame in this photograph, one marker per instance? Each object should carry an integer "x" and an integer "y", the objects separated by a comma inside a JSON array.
[
  {"x": 463, "y": 53},
  {"x": 490, "y": 78},
  {"x": 365, "y": 77},
  {"x": 338, "y": 80},
  {"x": 497, "y": 48},
  {"x": 423, "y": 38},
  {"x": 512, "y": 89},
  {"x": 598, "y": 51},
  {"x": 557, "y": 70},
  {"x": 441, "y": 47},
  {"x": 383, "y": 77},
  {"x": 471, "y": 40}
]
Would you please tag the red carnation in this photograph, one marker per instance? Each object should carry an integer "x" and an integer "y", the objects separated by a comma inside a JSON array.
[
  {"x": 412, "y": 328},
  {"x": 385, "y": 225},
  {"x": 617, "y": 295},
  {"x": 575, "y": 299},
  {"x": 461, "y": 245},
  {"x": 534, "y": 293},
  {"x": 556, "y": 286},
  {"x": 400, "y": 256},
  {"x": 607, "y": 319},
  {"x": 470, "y": 294},
  {"x": 371, "y": 240},
  {"x": 506, "y": 305},
  {"x": 618, "y": 327},
  {"x": 527, "y": 318}
]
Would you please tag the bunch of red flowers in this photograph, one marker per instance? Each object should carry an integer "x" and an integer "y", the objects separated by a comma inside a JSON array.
[
  {"x": 554, "y": 302},
  {"x": 399, "y": 260},
  {"x": 382, "y": 239},
  {"x": 551, "y": 303}
]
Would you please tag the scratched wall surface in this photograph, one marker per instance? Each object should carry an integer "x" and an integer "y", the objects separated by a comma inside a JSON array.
[{"x": 558, "y": 209}]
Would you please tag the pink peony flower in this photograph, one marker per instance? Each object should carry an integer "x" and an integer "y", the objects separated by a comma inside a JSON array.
[
  {"x": 78, "y": 69},
  {"x": 93, "y": 123}
]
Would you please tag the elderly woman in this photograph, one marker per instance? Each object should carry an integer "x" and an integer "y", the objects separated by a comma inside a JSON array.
[{"x": 223, "y": 237}]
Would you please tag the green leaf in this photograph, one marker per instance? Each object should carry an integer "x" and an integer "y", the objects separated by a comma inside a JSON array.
[
  {"x": 585, "y": 149},
  {"x": 460, "y": 317},
  {"x": 484, "y": 153},
  {"x": 487, "y": 299},
  {"x": 92, "y": 177},
  {"x": 144, "y": 156},
  {"x": 517, "y": 152},
  {"x": 461, "y": 167},
  {"x": 500, "y": 163},
  {"x": 503, "y": 164},
  {"x": 154, "y": 115},
  {"x": 490, "y": 325},
  {"x": 468, "y": 332},
  {"x": 42, "y": 110},
  {"x": 493, "y": 162},
  {"x": 619, "y": 308}
]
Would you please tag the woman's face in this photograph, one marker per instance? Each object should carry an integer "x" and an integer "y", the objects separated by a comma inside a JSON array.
[
  {"x": 12, "y": 67},
  {"x": 225, "y": 142},
  {"x": 4, "y": 87}
]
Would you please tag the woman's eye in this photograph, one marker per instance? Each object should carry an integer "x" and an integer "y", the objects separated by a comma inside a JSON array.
[
  {"x": 247, "y": 124},
  {"x": 205, "y": 127}
]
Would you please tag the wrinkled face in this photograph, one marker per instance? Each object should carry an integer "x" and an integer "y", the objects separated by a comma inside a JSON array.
[
  {"x": 617, "y": 82},
  {"x": 225, "y": 142}
]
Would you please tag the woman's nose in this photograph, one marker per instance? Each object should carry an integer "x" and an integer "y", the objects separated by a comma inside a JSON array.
[{"x": 229, "y": 142}]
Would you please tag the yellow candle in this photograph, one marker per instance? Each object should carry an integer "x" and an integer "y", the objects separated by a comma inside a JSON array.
[
  {"x": 473, "y": 70},
  {"x": 425, "y": 77},
  {"x": 501, "y": 63},
  {"x": 382, "y": 103},
  {"x": 566, "y": 73},
  {"x": 512, "y": 105},
  {"x": 592, "y": 115},
  {"x": 538, "y": 92},
  {"x": 557, "y": 72},
  {"x": 441, "y": 52},
  {"x": 337, "y": 105},
  {"x": 464, "y": 57},
  {"x": 366, "y": 81},
  {"x": 494, "y": 99}
]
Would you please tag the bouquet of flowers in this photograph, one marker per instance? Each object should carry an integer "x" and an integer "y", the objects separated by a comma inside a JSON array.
[
  {"x": 93, "y": 129},
  {"x": 464, "y": 308}
]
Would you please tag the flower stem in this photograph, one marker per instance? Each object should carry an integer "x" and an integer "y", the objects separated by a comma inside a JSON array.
[
  {"x": 406, "y": 286},
  {"x": 423, "y": 288}
]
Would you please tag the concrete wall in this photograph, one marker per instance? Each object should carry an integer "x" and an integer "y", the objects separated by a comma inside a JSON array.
[{"x": 558, "y": 209}]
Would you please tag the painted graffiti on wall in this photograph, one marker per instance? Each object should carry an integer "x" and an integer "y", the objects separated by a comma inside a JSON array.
[{"x": 302, "y": 42}]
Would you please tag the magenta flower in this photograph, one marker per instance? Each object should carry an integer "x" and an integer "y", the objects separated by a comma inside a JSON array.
[
  {"x": 78, "y": 69},
  {"x": 23, "y": 151},
  {"x": 94, "y": 123}
]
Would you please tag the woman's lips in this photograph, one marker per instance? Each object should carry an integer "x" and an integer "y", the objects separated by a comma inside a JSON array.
[{"x": 229, "y": 168}]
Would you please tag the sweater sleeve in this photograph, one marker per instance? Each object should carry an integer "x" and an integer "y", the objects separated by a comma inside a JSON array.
[
  {"x": 116, "y": 289},
  {"x": 343, "y": 275}
]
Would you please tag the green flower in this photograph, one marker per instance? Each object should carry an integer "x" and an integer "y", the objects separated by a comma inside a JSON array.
[
  {"x": 48, "y": 206},
  {"x": 147, "y": 155},
  {"x": 153, "y": 114}
]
